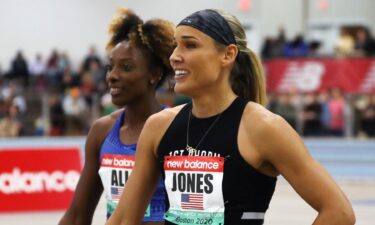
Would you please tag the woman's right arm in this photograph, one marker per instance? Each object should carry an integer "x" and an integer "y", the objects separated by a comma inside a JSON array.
[
  {"x": 89, "y": 187},
  {"x": 145, "y": 175}
]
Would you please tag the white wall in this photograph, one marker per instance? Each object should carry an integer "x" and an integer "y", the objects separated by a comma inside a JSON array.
[{"x": 73, "y": 25}]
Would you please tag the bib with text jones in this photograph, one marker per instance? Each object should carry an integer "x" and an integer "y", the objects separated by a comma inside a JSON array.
[{"x": 194, "y": 187}]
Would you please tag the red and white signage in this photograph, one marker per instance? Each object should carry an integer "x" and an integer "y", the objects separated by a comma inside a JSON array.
[
  {"x": 38, "y": 178},
  {"x": 306, "y": 75}
]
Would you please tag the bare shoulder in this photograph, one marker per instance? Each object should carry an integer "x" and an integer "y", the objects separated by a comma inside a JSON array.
[
  {"x": 258, "y": 119},
  {"x": 157, "y": 124},
  {"x": 163, "y": 118},
  {"x": 100, "y": 127},
  {"x": 106, "y": 122},
  {"x": 269, "y": 133},
  {"x": 265, "y": 129}
]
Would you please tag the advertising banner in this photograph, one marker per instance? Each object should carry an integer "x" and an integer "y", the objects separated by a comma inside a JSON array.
[
  {"x": 34, "y": 179},
  {"x": 355, "y": 75}
]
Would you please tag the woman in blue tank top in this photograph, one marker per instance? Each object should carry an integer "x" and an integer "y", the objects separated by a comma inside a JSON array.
[
  {"x": 138, "y": 64},
  {"x": 221, "y": 154}
]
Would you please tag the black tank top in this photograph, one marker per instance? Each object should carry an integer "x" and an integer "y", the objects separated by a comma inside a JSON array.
[{"x": 193, "y": 180}]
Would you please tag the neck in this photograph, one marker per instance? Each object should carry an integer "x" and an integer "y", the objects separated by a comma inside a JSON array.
[
  {"x": 138, "y": 112},
  {"x": 213, "y": 103}
]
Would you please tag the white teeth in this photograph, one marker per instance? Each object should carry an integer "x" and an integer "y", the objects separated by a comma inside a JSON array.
[
  {"x": 115, "y": 90},
  {"x": 181, "y": 72}
]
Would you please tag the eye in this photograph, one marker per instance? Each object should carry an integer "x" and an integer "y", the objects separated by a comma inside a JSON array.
[
  {"x": 191, "y": 45},
  {"x": 127, "y": 67},
  {"x": 108, "y": 67}
]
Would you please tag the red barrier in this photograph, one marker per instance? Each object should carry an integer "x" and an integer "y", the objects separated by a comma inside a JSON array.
[
  {"x": 351, "y": 75},
  {"x": 38, "y": 178}
]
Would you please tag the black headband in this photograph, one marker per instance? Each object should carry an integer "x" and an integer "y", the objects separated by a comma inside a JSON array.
[{"x": 211, "y": 23}]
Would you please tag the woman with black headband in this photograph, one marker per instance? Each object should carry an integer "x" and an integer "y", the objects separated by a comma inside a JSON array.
[{"x": 220, "y": 155}]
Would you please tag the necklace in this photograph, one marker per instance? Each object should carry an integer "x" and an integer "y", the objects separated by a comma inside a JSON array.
[{"x": 191, "y": 150}]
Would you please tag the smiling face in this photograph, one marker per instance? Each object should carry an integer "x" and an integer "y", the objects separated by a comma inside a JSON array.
[
  {"x": 196, "y": 60},
  {"x": 128, "y": 74}
]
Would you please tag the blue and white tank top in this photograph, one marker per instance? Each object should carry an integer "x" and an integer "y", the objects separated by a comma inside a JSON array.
[{"x": 116, "y": 163}]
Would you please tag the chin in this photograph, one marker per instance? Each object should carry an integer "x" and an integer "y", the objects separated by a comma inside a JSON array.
[
  {"x": 181, "y": 89},
  {"x": 118, "y": 103}
]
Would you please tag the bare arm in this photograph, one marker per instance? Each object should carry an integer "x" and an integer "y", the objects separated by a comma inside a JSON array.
[
  {"x": 89, "y": 188},
  {"x": 280, "y": 146}
]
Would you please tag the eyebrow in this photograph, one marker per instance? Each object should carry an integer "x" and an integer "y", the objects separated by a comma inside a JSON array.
[
  {"x": 121, "y": 59},
  {"x": 189, "y": 37}
]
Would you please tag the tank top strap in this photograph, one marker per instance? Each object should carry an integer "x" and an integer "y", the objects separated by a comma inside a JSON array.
[{"x": 114, "y": 134}]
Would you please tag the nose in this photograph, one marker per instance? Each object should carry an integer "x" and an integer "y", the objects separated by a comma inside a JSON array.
[
  {"x": 175, "y": 58},
  {"x": 111, "y": 75}
]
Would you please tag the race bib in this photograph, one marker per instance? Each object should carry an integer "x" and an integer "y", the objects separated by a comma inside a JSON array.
[
  {"x": 114, "y": 172},
  {"x": 194, "y": 187}
]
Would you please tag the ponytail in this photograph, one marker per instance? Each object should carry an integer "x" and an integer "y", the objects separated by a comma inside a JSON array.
[
  {"x": 259, "y": 79},
  {"x": 247, "y": 76}
]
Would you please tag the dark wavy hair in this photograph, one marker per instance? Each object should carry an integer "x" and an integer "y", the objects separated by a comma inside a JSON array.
[{"x": 155, "y": 37}]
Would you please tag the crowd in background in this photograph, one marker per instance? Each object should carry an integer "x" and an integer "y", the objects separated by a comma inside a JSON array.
[
  {"x": 328, "y": 113},
  {"x": 355, "y": 42},
  {"x": 47, "y": 97}
]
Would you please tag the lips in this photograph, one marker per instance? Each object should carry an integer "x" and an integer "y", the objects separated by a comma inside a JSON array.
[{"x": 180, "y": 74}]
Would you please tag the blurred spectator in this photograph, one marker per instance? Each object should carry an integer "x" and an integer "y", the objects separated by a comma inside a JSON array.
[
  {"x": 296, "y": 48},
  {"x": 12, "y": 93},
  {"x": 314, "y": 49},
  {"x": 279, "y": 42},
  {"x": 91, "y": 57},
  {"x": 325, "y": 117},
  {"x": 73, "y": 103},
  {"x": 75, "y": 109},
  {"x": 97, "y": 73},
  {"x": 69, "y": 80},
  {"x": 37, "y": 70},
  {"x": 364, "y": 43},
  {"x": 87, "y": 87},
  {"x": 271, "y": 101},
  {"x": 63, "y": 62},
  {"x": 57, "y": 116},
  {"x": 37, "y": 66},
  {"x": 53, "y": 75},
  {"x": 368, "y": 117},
  {"x": 10, "y": 126},
  {"x": 336, "y": 106},
  {"x": 286, "y": 109},
  {"x": 345, "y": 44},
  {"x": 266, "y": 52},
  {"x": 4, "y": 106},
  {"x": 19, "y": 69},
  {"x": 311, "y": 115},
  {"x": 274, "y": 47},
  {"x": 53, "y": 60}
]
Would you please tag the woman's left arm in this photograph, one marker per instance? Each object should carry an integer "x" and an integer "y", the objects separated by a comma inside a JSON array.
[{"x": 282, "y": 147}]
